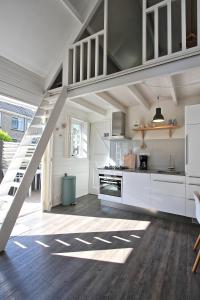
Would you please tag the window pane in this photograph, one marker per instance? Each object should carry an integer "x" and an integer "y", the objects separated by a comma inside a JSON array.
[
  {"x": 18, "y": 123},
  {"x": 14, "y": 123},
  {"x": 76, "y": 138},
  {"x": 21, "y": 124}
]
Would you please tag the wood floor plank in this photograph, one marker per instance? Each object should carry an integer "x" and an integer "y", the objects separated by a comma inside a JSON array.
[{"x": 155, "y": 258}]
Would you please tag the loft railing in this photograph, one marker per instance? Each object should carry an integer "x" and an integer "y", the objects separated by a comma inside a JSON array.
[
  {"x": 87, "y": 58},
  {"x": 154, "y": 10}
]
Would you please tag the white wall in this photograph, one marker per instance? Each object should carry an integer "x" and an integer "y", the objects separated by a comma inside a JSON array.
[{"x": 63, "y": 164}]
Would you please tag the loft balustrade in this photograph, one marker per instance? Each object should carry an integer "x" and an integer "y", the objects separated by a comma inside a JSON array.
[
  {"x": 170, "y": 29},
  {"x": 84, "y": 64}
]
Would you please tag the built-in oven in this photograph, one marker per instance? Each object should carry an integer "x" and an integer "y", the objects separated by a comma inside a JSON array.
[{"x": 110, "y": 185}]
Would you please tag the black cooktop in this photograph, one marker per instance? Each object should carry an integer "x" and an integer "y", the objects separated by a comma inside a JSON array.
[{"x": 110, "y": 167}]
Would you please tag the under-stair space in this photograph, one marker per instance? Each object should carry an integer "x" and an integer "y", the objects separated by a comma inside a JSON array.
[{"x": 26, "y": 161}]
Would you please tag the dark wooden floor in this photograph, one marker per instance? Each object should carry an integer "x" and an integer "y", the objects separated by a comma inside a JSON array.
[{"x": 136, "y": 257}]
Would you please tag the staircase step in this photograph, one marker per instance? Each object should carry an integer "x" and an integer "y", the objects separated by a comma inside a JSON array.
[
  {"x": 45, "y": 107},
  {"x": 41, "y": 114},
  {"x": 13, "y": 184},
  {"x": 34, "y": 135},
  {"x": 31, "y": 146},
  {"x": 37, "y": 126},
  {"x": 6, "y": 199}
]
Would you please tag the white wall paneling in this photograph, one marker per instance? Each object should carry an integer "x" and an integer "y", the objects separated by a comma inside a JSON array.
[
  {"x": 62, "y": 162},
  {"x": 99, "y": 152}
]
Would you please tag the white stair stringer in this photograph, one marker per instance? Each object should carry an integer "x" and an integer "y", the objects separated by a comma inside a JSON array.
[{"x": 15, "y": 203}]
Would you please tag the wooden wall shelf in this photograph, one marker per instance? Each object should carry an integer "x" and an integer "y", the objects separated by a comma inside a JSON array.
[{"x": 164, "y": 127}]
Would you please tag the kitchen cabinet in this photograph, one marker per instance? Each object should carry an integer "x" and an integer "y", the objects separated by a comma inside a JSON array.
[
  {"x": 168, "y": 193},
  {"x": 192, "y": 157},
  {"x": 192, "y": 166},
  {"x": 136, "y": 189},
  {"x": 192, "y": 114},
  {"x": 192, "y": 185}
]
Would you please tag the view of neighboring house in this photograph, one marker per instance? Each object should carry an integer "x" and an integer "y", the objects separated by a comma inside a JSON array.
[{"x": 15, "y": 119}]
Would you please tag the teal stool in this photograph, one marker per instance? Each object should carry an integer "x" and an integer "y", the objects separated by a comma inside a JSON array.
[{"x": 68, "y": 190}]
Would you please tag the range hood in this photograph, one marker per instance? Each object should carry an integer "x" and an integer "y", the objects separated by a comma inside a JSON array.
[{"x": 118, "y": 126}]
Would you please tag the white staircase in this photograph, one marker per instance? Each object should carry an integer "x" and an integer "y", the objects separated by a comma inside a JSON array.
[{"x": 18, "y": 178}]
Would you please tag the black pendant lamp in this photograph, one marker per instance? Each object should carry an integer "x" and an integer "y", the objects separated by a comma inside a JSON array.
[{"x": 158, "y": 118}]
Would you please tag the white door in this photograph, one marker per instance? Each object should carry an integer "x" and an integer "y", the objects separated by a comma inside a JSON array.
[
  {"x": 99, "y": 152},
  {"x": 193, "y": 150}
]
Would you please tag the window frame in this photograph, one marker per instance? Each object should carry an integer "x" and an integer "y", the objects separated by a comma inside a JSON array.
[
  {"x": 84, "y": 131},
  {"x": 16, "y": 118}
]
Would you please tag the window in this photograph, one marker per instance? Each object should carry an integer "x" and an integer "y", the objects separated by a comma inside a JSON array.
[
  {"x": 79, "y": 139},
  {"x": 18, "y": 123}
]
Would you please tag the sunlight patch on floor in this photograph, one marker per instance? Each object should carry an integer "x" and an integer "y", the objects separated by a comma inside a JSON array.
[
  {"x": 118, "y": 256},
  {"x": 20, "y": 245},
  {"x": 85, "y": 224}
]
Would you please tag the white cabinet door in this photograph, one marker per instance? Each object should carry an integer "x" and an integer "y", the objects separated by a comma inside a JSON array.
[
  {"x": 192, "y": 114},
  {"x": 193, "y": 150},
  {"x": 192, "y": 185},
  {"x": 168, "y": 193},
  {"x": 136, "y": 189}
]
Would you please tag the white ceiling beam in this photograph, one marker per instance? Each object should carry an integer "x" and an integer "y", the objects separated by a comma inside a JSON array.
[
  {"x": 72, "y": 10},
  {"x": 173, "y": 90},
  {"x": 139, "y": 97},
  {"x": 111, "y": 100},
  {"x": 90, "y": 106}
]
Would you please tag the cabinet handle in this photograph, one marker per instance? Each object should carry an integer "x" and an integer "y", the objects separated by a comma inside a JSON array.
[
  {"x": 178, "y": 182},
  {"x": 191, "y": 199},
  {"x": 186, "y": 149},
  {"x": 197, "y": 184},
  {"x": 194, "y": 177}
]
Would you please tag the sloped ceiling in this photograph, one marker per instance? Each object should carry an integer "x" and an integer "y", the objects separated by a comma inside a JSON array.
[
  {"x": 83, "y": 6},
  {"x": 33, "y": 33}
]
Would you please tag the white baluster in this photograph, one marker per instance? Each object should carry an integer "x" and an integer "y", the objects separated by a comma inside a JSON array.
[
  {"x": 169, "y": 27},
  {"x": 97, "y": 55},
  {"x": 156, "y": 32},
  {"x": 74, "y": 64},
  {"x": 105, "y": 44},
  {"x": 198, "y": 23},
  {"x": 144, "y": 32},
  {"x": 183, "y": 23},
  {"x": 81, "y": 61},
  {"x": 89, "y": 60}
]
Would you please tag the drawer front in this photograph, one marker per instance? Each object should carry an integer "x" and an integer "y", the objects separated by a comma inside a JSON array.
[
  {"x": 168, "y": 185},
  {"x": 193, "y": 181}
]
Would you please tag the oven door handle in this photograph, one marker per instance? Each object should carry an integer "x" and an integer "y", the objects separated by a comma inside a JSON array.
[{"x": 110, "y": 178}]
